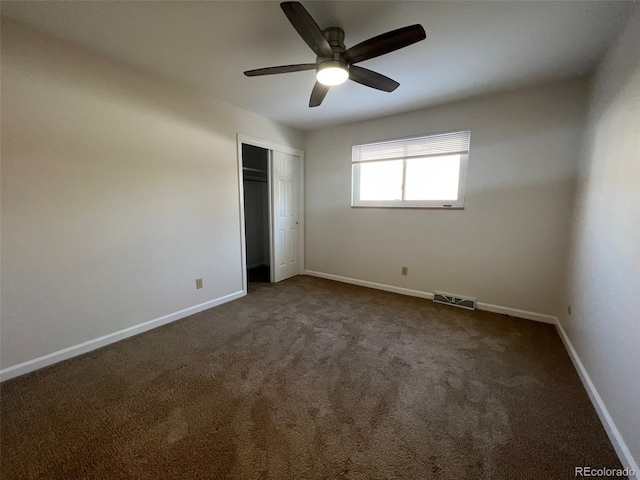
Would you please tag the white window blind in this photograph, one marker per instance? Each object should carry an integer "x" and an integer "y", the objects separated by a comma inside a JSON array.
[
  {"x": 433, "y": 145},
  {"x": 418, "y": 172}
]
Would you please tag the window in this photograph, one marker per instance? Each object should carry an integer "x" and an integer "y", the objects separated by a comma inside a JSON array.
[{"x": 419, "y": 172}]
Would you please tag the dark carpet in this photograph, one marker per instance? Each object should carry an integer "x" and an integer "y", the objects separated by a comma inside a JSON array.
[{"x": 310, "y": 379}]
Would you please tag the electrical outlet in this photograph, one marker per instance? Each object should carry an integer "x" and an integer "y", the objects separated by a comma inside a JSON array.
[
  {"x": 198, "y": 283},
  {"x": 405, "y": 270}
]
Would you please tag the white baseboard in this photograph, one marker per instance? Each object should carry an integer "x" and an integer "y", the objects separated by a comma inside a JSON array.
[
  {"x": 617, "y": 441},
  {"x": 364, "y": 283},
  {"x": 70, "y": 352},
  {"x": 514, "y": 312}
]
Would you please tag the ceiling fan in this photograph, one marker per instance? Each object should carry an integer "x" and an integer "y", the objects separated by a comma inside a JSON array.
[{"x": 335, "y": 63}]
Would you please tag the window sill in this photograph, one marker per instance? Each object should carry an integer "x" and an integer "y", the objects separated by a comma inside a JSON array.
[{"x": 408, "y": 207}]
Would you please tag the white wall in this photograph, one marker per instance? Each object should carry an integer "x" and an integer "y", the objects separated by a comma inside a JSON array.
[
  {"x": 603, "y": 279},
  {"x": 119, "y": 189},
  {"x": 507, "y": 247}
]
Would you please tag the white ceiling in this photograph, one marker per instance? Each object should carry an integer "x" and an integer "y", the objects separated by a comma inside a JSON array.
[{"x": 471, "y": 47}]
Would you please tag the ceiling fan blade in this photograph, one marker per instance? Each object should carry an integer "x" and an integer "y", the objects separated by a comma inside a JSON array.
[
  {"x": 385, "y": 43},
  {"x": 317, "y": 94},
  {"x": 372, "y": 79},
  {"x": 307, "y": 28},
  {"x": 281, "y": 69}
]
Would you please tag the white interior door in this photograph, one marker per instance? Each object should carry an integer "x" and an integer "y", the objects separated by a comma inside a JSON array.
[{"x": 285, "y": 181}]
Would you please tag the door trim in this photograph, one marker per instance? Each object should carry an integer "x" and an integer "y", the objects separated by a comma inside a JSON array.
[{"x": 271, "y": 146}]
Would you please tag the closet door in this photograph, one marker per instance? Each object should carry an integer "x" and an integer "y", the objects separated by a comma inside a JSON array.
[{"x": 285, "y": 178}]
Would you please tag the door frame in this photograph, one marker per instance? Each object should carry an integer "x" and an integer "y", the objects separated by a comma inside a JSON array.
[{"x": 270, "y": 146}]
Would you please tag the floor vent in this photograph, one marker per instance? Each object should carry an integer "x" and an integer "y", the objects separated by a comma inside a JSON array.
[{"x": 456, "y": 301}]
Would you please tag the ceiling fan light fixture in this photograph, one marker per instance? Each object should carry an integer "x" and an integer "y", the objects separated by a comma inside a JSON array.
[{"x": 332, "y": 72}]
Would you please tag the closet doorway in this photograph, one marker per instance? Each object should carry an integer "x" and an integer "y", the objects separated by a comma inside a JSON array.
[
  {"x": 255, "y": 180},
  {"x": 272, "y": 210}
]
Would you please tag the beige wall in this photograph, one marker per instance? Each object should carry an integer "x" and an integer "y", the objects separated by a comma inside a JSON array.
[
  {"x": 507, "y": 247},
  {"x": 118, "y": 191},
  {"x": 603, "y": 282}
]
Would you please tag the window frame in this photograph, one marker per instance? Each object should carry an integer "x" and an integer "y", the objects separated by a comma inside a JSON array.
[{"x": 428, "y": 204}]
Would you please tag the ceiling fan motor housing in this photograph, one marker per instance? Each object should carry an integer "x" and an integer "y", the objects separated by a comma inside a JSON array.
[{"x": 335, "y": 37}]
